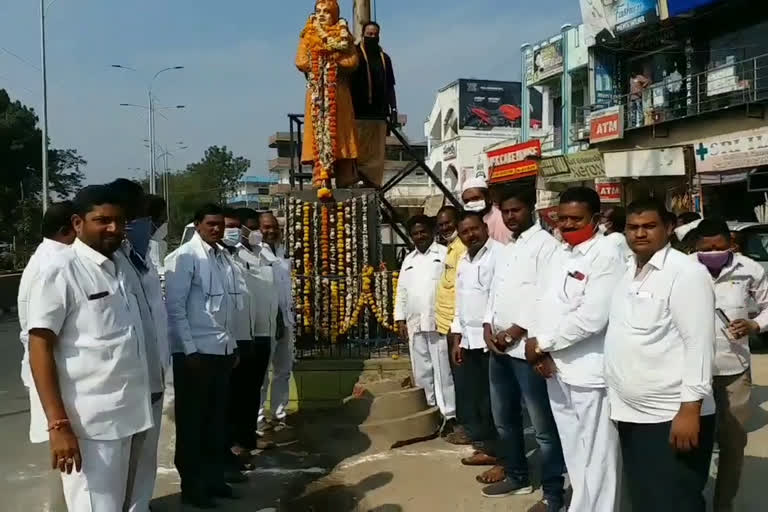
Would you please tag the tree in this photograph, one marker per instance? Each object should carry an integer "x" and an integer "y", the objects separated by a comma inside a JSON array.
[{"x": 219, "y": 170}]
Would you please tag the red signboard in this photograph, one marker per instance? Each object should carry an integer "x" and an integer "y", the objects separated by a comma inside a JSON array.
[
  {"x": 610, "y": 192},
  {"x": 606, "y": 124},
  {"x": 513, "y": 162}
]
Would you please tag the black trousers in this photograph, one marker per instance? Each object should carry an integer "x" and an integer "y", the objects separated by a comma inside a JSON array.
[
  {"x": 473, "y": 396},
  {"x": 245, "y": 391},
  {"x": 660, "y": 479},
  {"x": 202, "y": 397}
]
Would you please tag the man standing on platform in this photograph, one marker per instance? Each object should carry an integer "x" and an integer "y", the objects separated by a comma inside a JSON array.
[
  {"x": 415, "y": 316},
  {"x": 477, "y": 198},
  {"x": 659, "y": 353},
  {"x": 375, "y": 102},
  {"x": 566, "y": 347},
  {"x": 521, "y": 271}
]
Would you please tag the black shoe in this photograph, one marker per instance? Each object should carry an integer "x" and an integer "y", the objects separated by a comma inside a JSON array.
[
  {"x": 197, "y": 500},
  {"x": 223, "y": 491}
]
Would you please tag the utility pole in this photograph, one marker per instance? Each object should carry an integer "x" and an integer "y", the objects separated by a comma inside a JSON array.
[
  {"x": 362, "y": 16},
  {"x": 45, "y": 106}
]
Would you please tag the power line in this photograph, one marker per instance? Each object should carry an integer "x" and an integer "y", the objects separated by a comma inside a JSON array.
[{"x": 18, "y": 57}]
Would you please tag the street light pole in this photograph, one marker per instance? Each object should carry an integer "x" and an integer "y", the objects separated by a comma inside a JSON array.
[{"x": 45, "y": 106}]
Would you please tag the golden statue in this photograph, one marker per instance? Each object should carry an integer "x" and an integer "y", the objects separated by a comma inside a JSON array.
[{"x": 327, "y": 56}]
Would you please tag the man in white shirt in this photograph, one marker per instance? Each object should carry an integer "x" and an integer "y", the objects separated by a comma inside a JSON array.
[
  {"x": 58, "y": 235},
  {"x": 612, "y": 224},
  {"x": 474, "y": 278},
  {"x": 272, "y": 254},
  {"x": 136, "y": 268},
  {"x": 659, "y": 352},
  {"x": 520, "y": 274},
  {"x": 203, "y": 295},
  {"x": 415, "y": 316},
  {"x": 567, "y": 347},
  {"x": 88, "y": 358},
  {"x": 739, "y": 282}
]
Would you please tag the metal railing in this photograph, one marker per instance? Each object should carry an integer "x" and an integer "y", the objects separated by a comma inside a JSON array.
[{"x": 724, "y": 85}]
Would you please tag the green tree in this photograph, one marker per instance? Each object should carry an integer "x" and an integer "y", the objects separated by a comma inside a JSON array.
[{"x": 219, "y": 170}]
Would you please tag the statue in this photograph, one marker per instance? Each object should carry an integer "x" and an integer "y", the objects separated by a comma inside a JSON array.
[{"x": 327, "y": 56}]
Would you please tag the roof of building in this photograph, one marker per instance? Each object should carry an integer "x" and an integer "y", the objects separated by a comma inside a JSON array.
[{"x": 259, "y": 180}]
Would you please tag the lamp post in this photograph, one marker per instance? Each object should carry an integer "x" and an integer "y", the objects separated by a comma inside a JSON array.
[
  {"x": 151, "y": 117},
  {"x": 45, "y": 106}
]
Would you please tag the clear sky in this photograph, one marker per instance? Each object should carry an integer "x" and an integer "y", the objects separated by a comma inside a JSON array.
[{"x": 239, "y": 80}]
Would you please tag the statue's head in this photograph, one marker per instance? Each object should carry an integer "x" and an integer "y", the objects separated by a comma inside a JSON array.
[{"x": 327, "y": 12}]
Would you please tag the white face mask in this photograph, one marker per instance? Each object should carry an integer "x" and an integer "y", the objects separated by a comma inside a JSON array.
[
  {"x": 475, "y": 206},
  {"x": 232, "y": 235},
  {"x": 161, "y": 232},
  {"x": 450, "y": 238}
]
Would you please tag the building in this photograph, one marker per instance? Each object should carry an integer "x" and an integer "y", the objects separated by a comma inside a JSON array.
[
  {"x": 253, "y": 192},
  {"x": 678, "y": 92},
  {"x": 468, "y": 115}
]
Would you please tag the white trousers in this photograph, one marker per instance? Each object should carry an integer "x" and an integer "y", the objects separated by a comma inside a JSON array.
[
  {"x": 281, "y": 364},
  {"x": 143, "y": 464},
  {"x": 590, "y": 445},
  {"x": 432, "y": 370},
  {"x": 101, "y": 484}
]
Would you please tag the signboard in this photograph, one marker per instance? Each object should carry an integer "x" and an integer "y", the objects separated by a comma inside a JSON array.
[
  {"x": 513, "y": 162},
  {"x": 605, "y": 71},
  {"x": 547, "y": 62},
  {"x": 449, "y": 151},
  {"x": 581, "y": 166},
  {"x": 632, "y": 14},
  {"x": 609, "y": 191},
  {"x": 677, "y": 7},
  {"x": 606, "y": 124},
  {"x": 645, "y": 162},
  {"x": 489, "y": 104},
  {"x": 722, "y": 80},
  {"x": 737, "y": 150}
]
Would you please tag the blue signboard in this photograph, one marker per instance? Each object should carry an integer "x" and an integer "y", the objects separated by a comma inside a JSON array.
[
  {"x": 631, "y": 14},
  {"x": 677, "y": 7}
]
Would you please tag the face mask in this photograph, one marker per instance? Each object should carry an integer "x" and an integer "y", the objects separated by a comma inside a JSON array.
[
  {"x": 255, "y": 238},
  {"x": 138, "y": 232},
  {"x": 475, "y": 206},
  {"x": 371, "y": 40},
  {"x": 715, "y": 261},
  {"x": 602, "y": 229},
  {"x": 450, "y": 238},
  {"x": 232, "y": 235},
  {"x": 161, "y": 232},
  {"x": 574, "y": 238}
]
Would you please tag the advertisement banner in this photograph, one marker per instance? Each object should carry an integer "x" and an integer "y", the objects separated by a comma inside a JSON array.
[
  {"x": 581, "y": 166},
  {"x": 737, "y": 150},
  {"x": 605, "y": 71},
  {"x": 489, "y": 104},
  {"x": 606, "y": 124},
  {"x": 609, "y": 190},
  {"x": 632, "y": 14},
  {"x": 514, "y": 162},
  {"x": 547, "y": 62},
  {"x": 678, "y": 7}
]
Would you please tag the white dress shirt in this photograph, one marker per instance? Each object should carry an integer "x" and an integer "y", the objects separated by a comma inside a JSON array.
[
  {"x": 417, "y": 288},
  {"x": 258, "y": 317},
  {"x": 281, "y": 274},
  {"x": 202, "y": 296},
  {"x": 621, "y": 244},
  {"x": 42, "y": 257},
  {"x": 519, "y": 276},
  {"x": 659, "y": 349},
  {"x": 739, "y": 285},
  {"x": 573, "y": 312},
  {"x": 474, "y": 279},
  {"x": 100, "y": 352}
]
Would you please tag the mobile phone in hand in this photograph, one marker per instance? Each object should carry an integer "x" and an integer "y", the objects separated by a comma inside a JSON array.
[{"x": 727, "y": 322}]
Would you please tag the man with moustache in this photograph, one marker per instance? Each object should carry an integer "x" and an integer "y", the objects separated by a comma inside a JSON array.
[{"x": 566, "y": 347}]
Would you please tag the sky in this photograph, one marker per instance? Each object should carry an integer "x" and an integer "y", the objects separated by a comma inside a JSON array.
[{"x": 239, "y": 81}]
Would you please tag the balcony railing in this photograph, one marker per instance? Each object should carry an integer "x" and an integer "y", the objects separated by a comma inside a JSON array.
[{"x": 724, "y": 85}]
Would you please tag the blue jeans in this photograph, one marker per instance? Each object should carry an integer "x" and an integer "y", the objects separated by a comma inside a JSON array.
[{"x": 513, "y": 380}]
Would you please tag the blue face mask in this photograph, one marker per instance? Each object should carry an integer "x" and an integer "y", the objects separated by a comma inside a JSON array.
[{"x": 139, "y": 233}]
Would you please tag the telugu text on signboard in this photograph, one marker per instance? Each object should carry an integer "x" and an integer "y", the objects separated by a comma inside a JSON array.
[{"x": 581, "y": 166}]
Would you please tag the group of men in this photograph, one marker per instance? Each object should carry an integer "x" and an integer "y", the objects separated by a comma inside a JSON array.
[
  {"x": 100, "y": 336},
  {"x": 630, "y": 357}
]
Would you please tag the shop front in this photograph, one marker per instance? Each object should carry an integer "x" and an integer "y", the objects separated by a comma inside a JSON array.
[{"x": 732, "y": 172}]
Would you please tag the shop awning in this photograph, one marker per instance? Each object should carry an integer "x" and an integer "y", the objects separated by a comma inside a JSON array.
[
  {"x": 581, "y": 166},
  {"x": 641, "y": 163}
]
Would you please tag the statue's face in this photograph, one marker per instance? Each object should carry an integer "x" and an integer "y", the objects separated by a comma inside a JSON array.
[{"x": 323, "y": 14}]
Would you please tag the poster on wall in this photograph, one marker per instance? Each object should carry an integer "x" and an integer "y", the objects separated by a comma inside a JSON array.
[
  {"x": 678, "y": 7},
  {"x": 632, "y": 14},
  {"x": 489, "y": 104},
  {"x": 547, "y": 61}
]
